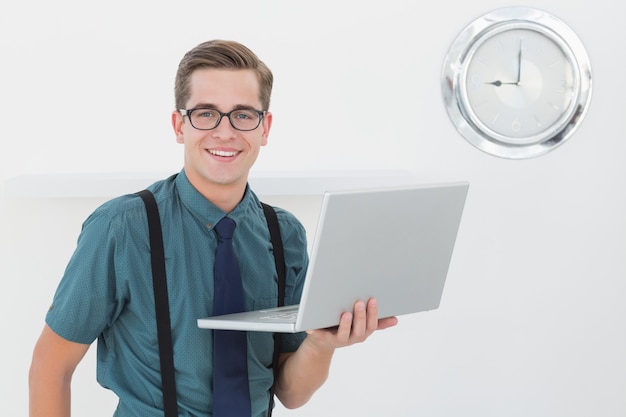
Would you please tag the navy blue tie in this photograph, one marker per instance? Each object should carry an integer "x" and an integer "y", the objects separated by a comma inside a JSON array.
[{"x": 231, "y": 393}]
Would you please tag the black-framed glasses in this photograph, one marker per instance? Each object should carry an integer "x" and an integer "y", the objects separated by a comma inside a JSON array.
[{"x": 208, "y": 118}]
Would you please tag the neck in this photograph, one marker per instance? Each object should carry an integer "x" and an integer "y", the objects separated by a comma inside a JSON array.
[{"x": 226, "y": 196}]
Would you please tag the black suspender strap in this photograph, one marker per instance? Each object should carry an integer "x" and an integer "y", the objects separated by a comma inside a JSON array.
[
  {"x": 161, "y": 303},
  {"x": 279, "y": 259}
]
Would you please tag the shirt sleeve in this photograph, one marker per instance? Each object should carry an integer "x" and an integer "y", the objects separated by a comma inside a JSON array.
[{"x": 86, "y": 298}]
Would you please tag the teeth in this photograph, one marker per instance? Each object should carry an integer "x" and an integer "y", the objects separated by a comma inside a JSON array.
[{"x": 222, "y": 153}]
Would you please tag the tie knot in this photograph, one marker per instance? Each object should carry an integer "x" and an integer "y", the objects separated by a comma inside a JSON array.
[{"x": 225, "y": 228}]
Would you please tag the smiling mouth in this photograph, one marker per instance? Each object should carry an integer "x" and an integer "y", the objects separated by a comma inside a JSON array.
[{"x": 222, "y": 153}]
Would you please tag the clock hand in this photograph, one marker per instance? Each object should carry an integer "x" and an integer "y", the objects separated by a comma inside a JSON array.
[
  {"x": 498, "y": 83},
  {"x": 519, "y": 63}
]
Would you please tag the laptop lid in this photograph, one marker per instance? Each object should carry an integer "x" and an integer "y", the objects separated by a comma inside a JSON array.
[{"x": 394, "y": 244}]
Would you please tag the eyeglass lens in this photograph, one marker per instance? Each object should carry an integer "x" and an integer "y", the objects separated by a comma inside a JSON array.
[{"x": 243, "y": 119}]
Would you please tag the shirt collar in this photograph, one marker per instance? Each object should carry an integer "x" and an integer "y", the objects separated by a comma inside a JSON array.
[{"x": 204, "y": 210}]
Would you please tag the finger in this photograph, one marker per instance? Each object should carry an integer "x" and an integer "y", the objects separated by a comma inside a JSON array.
[
  {"x": 387, "y": 322},
  {"x": 359, "y": 323},
  {"x": 344, "y": 329},
  {"x": 372, "y": 315}
]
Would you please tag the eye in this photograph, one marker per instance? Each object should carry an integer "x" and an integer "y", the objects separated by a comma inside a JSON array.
[
  {"x": 245, "y": 115},
  {"x": 205, "y": 113}
]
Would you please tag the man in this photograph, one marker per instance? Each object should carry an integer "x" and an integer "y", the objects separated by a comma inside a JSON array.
[{"x": 222, "y": 100}]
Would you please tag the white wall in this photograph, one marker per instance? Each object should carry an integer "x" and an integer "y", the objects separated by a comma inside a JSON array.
[{"x": 533, "y": 319}]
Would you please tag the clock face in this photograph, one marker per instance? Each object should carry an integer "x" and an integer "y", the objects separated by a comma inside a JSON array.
[
  {"x": 519, "y": 84},
  {"x": 516, "y": 82}
]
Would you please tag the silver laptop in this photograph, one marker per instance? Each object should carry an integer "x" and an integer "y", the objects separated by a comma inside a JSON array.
[{"x": 394, "y": 244}]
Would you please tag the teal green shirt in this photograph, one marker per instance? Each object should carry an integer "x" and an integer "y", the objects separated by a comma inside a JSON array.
[{"x": 106, "y": 294}]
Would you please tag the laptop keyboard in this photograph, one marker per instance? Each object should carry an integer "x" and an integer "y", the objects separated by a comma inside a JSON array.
[
  {"x": 281, "y": 313},
  {"x": 280, "y": 316}
]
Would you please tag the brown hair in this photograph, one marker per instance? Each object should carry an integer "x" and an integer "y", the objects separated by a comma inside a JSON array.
[{"x": 220, "y": 54}]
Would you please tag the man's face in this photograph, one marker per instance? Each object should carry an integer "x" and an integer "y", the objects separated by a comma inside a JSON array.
[{"x": 221, "y": 157}]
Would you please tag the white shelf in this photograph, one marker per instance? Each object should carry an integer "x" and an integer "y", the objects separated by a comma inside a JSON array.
[{"x": 96, "y": 185}]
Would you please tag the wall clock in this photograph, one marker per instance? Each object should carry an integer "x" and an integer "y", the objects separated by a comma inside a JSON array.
[{"x": 516, "y": 82}]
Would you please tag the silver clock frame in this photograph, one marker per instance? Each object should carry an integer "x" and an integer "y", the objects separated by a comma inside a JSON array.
[{"x": 454, "y": 74}]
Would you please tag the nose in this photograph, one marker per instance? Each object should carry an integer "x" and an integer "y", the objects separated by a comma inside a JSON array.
[{"x": 224, "y": 128}]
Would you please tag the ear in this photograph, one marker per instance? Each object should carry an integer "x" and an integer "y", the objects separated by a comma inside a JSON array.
[
  {"x": 267, "y": 125},
  {"x": 177, "y": 125}
]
